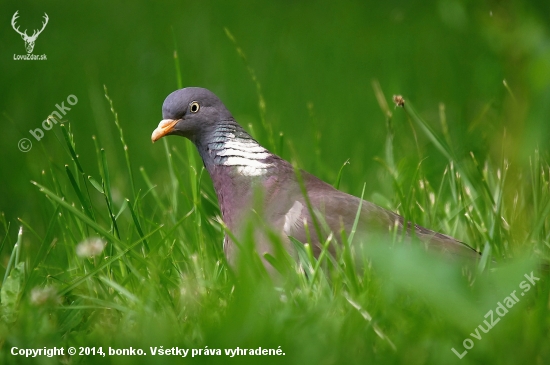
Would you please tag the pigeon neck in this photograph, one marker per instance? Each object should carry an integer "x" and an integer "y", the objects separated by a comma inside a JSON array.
[{"x": 228, "y": 145}]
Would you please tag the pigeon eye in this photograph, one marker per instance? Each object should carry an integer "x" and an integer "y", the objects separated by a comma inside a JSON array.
[{"x": 194, "y": 107}]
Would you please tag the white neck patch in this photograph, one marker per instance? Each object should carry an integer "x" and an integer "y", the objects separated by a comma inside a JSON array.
[{"x": 240, "y": 151}]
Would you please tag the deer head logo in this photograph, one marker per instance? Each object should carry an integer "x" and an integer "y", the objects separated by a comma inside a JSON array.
[{"x": 29, "y": 40}]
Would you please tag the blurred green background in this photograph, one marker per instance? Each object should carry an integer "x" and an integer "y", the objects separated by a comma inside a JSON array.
[
  {"x": 324, "y": 53},
  {"x": 316, "y": 62}
]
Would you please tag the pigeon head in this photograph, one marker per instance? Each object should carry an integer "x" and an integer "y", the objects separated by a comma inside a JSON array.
[{"x": 191, "y": 112}]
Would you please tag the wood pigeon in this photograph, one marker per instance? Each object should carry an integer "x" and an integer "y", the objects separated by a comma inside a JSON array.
[{"x": 239, "y": 166}]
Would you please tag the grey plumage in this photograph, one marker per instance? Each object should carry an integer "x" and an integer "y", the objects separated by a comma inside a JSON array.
[{"x": 239, "y": 166}]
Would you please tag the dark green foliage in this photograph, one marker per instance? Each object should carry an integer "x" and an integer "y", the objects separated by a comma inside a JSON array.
[{"x": 110, "y": 257}]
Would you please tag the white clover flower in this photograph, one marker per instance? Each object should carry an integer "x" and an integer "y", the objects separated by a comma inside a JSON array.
[
  {"x": 41, "y": 296},
  {"x": 90, "y": 247}
]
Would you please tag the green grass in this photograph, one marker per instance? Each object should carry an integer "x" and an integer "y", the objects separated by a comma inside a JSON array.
[{"x": 162, "y": 279}]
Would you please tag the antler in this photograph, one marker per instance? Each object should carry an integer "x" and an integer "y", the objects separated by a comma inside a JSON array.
[
  {"x": 13, "y": 19},
  {"x": 24, "y": 34},
  {"x": 35, "y": 34}
]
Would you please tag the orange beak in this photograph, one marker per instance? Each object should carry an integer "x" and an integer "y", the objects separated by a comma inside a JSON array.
[{"x": 165, "y": 126}]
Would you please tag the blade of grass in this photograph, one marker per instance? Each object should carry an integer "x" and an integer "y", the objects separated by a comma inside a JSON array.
[
  {"x": 261, "y": 100},
  {"x": 14, "y": 257},
  {"x": 81, "y": 197},
  {"x": 138, "y": 225},
  {"x": 340, "y": 172},
  {"x": 124, "y": 145}
]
